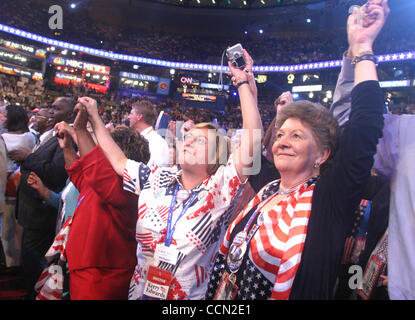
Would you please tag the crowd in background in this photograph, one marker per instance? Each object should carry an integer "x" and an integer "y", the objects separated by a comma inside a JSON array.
[
  {"x": 115, "y": 108},
  {"x": 288, "y": 49},
  {"x": 94, "y": 173}
]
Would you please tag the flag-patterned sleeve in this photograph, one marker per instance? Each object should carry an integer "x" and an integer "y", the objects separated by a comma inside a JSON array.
[
  {"x": 226, "y": 182},
  {"x": 135, "y": 176}
]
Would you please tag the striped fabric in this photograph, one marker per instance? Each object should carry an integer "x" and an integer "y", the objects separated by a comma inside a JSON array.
[{"x": 277, "y": 246}]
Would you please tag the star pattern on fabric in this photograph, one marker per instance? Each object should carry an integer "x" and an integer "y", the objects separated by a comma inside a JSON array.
[
  {"x": 176, "y": 292},
  {"x": 202, "y": 225},
  {"x": 252, "y": 286}
]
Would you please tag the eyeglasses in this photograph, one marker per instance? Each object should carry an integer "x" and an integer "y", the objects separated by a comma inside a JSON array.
[
  {"x": 200, "y": 140},
  {"x": 37, "y": 116}
]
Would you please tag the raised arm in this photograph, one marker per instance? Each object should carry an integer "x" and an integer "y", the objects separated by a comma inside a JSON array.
[
  {"x": 85, "y": 141},
  {"x": 342, "y": 97},
  {"x": 64, "y": 139},
  {"x": 341, "y": 106},
  {"x": 111, "y": 150},
  {"x": 249, "y": 70},
  {"x": 361, "y": 39},
  {"x": 354, "y": 158},
  {"x": 248, "y": 155}
]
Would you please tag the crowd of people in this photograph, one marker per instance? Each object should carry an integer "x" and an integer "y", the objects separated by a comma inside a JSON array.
[
  {"x": 115, "y": 108},
  {"x": 99, "y": 205},
  {"x": 287, "y": 49}
]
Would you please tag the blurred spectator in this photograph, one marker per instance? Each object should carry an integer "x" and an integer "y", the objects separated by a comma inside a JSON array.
[
  {"x": 286, "y": 47},
  {"x": 33, "y": 213},
  {"x": 17, "y": 136}
]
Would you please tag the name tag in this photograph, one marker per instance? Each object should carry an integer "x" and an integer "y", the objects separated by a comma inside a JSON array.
[
  {"x": 166, "y": 254},
  {"x": 358, "y": 249},
  {"x": 157, "y": 284},
  {"x": 371, "y": 277},
  {"x": 227, "y": 289}
]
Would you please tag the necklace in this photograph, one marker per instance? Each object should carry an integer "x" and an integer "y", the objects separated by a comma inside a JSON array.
[
  {"x": 285, "y": 192},
  {"x": 295, "y": 188}
]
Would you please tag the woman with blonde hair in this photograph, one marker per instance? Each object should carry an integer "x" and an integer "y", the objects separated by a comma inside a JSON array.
[{"x": 181, "y": 218}]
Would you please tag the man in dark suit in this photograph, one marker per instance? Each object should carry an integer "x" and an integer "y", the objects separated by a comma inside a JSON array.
[{"x": 33, "y": 213}]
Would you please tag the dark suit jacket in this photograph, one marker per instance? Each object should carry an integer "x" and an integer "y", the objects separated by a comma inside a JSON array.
[{"x": 49, "y": 164}]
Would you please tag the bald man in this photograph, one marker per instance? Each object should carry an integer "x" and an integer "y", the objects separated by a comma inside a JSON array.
[{"x": 37, "y": 217}]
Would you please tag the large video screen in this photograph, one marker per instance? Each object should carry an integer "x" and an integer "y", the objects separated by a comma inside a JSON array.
[
  {"x": 198, "y": 97},
  {"x": 144, "y": 83},
  {"x": 21, "y": 60}
]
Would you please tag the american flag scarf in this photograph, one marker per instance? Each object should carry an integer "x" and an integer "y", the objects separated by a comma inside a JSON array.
[
  {"x": 277, "y": 246},
  {"x": 49, "y": 286}
]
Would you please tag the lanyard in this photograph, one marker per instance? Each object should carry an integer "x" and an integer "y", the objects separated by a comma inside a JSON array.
[
  {"x": 79, "y": 201},
  {"x": 248, "y": 225},
  {"x": 241, "y": 241},
  {"x": 244, "y": 237},
  {"x": 147, "y": 133},
  {"x": 365, "y": 221},
  {"x": 171, "y": 228}
]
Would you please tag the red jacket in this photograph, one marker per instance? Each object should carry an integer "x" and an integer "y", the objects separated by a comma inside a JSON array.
[{"x": 103, "y": 229}]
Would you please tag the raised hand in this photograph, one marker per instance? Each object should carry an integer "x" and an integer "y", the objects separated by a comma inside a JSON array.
[
  {"x": 110, "y": 127},
  {"x": 91, "y": 107},
  {"x": 368, "y": 17},
  {"x": 245, "y": 74},
  {"x": 187, "y": 126},
  {"x": 239, "y": 75},
  {"x": 283, "y": 100},
  {"x": 361, "y": 37},
  {"x": 63, "y": 134},
  {"x": 81, "y": 119}
]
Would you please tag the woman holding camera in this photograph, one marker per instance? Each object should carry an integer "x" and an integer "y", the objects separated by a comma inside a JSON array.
[
  {"x": 288, "y": 242},
  {"x": 181, "y": 214}
]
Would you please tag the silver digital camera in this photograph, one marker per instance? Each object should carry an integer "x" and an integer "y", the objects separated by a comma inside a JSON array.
[{"x": 236, "y": 56}]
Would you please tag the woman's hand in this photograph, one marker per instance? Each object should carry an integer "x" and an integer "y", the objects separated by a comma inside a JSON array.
[
  {"x": 238, "y": 75},
  {"x": 283, "y": 100},
  {"x": 186, "y": 127},
  {"x": 81, "y": 120},
  {"x": 110, "y": 127},
  {"x": 368, "y": 18},
  {"x": 361, "y": 38},
  {"x": 91, "y": 107}
]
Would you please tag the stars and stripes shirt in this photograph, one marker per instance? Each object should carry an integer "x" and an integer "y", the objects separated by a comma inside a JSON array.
[
  {"x": 274, "y": 253},
  {"x": 198, "y": 233}
]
